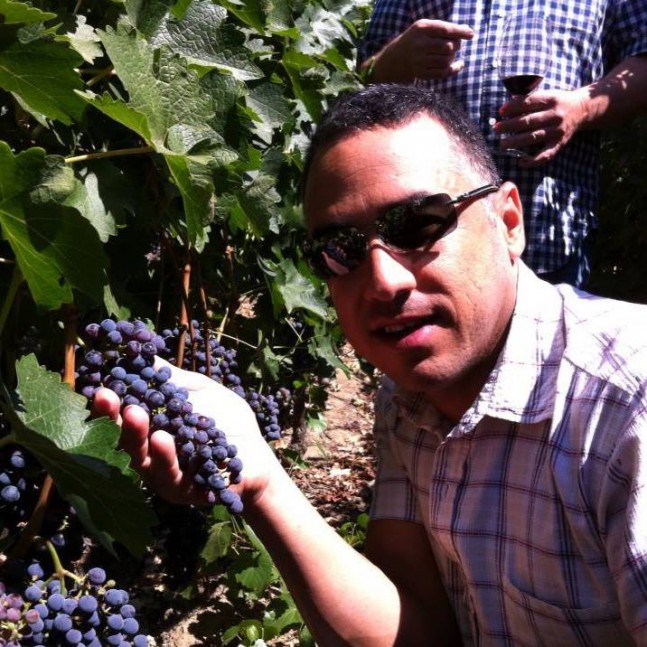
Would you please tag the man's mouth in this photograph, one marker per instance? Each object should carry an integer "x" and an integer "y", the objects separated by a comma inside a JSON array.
[
  {"x": 395, "y": 329},
  {"x": 401, "y": 328}
]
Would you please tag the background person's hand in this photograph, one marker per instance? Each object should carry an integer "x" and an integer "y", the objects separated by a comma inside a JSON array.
[
  {"x": 425, "y": 50},
  {"x": 544, "y": 120},
  {"x": 154, "y": 457}
]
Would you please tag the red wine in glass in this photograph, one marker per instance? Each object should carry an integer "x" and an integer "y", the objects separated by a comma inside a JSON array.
[
  {"x": 523, "y": 55},
  {"x": 522, "y": 84}
]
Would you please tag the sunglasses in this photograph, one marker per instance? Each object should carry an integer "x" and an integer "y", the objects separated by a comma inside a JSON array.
[{"x": 413, "y": 226}]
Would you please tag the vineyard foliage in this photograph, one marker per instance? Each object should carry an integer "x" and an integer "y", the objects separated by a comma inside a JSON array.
[
  {"x": 150, "y": 162},
  {"x": 150, "y": 157}
]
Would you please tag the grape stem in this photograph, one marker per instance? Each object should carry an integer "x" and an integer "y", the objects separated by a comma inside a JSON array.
[
  {"x": 59, "y": 570},
  {"x": 32, "y": 529},
  {"x": 69, "y": 317}
]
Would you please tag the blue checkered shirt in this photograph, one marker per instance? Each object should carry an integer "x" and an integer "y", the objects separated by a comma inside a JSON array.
[
  {"x": 535, "y": 503},
  {"x": 590, "y": 37}
]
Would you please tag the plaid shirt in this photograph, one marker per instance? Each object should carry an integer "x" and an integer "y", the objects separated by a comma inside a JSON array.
[
  {"x": 589, "y": 38},
  {"x": 535, "y": 503}
]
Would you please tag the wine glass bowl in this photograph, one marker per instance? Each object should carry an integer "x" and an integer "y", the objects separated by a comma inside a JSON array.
[
  {"x": 524, "y": 51},
  {"x": 523, "y": 55}
]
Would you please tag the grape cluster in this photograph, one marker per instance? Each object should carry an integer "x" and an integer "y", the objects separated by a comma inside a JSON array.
[
  {"x": 267, "y": 410},
  {"x": 46, "y": 612},
  {"x": 120, "y": 355},
  {"x": 210, "y": 357},
  {"x": 19, "y": 480}
]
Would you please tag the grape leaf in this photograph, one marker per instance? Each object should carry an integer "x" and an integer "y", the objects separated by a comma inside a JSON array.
[
  {"x": 102, "y": 196},
  {"x": 271, "y": 108},
  {"x": 203, "y": 37},
  {"x": 119, "y": 111},
  {"x": 42, "y": 74},
  {"x": 81, "y": 456},
  {"x": 16, "y": 13},
  {"x": 254, "y": 572},
  {"x": 295, "y": 64},
  {"x": 257, "y": 205},
  {"x": 197, "y": 192},
  {"x": 160, "y": 84},
  {"x": 85, "y": 40},
  {"x": 295, "y": 290},
  {"x": 43, "y": 233},
  {"x": 218, "y": 542}
]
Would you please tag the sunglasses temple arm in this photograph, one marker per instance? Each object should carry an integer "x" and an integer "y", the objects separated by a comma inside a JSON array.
[{"x": 475, "y": 193}]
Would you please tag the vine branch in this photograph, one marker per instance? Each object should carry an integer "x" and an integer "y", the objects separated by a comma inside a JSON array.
[{"x": 142, "y": 150}]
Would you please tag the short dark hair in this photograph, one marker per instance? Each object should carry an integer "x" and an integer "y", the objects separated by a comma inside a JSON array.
[{"x": 390, "y": 104}]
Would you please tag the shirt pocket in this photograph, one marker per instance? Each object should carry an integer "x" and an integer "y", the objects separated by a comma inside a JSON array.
[{"x": 533, "y": 622}]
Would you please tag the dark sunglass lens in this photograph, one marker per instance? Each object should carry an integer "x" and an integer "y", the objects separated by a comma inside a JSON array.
[
  {"x": 338, "y": 253},
  {"x": 415, "y": 226}
]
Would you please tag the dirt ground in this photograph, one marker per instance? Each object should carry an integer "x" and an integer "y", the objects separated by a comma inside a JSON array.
[{"x": 337, "y": 480}]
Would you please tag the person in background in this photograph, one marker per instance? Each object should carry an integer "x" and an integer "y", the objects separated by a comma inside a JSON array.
[
  {"x": 598, "y": 79},
  {"x": 511, "y": 492}
]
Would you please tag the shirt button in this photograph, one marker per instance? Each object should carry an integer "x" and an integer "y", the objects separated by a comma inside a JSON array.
[
  {"x": 495, "y": 64},
  {"x": 500, "y": 13}
]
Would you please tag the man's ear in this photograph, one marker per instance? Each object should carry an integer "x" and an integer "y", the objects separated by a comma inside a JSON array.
[{"x": 511, "y": 213}]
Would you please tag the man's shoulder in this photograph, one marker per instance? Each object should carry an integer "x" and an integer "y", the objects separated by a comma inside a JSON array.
[{"x": 606, "y": 337}]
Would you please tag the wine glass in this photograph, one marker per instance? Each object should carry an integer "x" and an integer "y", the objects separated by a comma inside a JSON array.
[{"x": 524, "y": 54}]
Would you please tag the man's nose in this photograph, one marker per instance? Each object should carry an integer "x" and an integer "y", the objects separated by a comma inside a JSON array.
[{"x": 390, "y": 272}]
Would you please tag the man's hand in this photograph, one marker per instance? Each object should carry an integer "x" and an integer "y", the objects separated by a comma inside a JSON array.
[
  {"x": 153, "y": 454},
  {"x": 426, "y": 50},
  {"x": 545, "y": 121}
]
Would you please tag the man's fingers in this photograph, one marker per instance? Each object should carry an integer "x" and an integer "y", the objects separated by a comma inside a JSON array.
[
  {"x": 106, "y": 403},
  {"x": 444, "y": 29},
  {"x": 165, "y": 475},
  {"x": 134, "y": 436}
]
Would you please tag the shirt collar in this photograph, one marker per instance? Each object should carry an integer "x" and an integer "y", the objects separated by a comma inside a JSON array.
[{"x": 522, "y": 386}]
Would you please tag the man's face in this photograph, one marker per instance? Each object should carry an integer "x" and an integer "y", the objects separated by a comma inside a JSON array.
[{"x": 433, "y": 320}]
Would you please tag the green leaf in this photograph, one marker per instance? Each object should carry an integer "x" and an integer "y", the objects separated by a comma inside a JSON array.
[
  {"x": 295, "y": 289},
  {"x": 289, "y": 618},
  {"x": 296, "y": 64},
  {"x": 218, "y": 542},
  {"x": 322, "y": 345},
  {"x": 271, "y": 108},
  {"x": 103, "y": 196},
  {"x": 204, "y": 37},
  {"x": 194, "y": 183},
  {"x": 44, "y": 233},
  {"x": 119, "y": 111},
  {"x": 42, "y": 74},
  {"x": 160, "y": 84},
  {"x": 254, "y": 572},
  {"x": 273, "y": 15},
  {"x": 259, "y": 203},
  {"x": 85, "y": 40},
  {"x": 16, "y": 13},
  {"x": 81, "y": 456}
]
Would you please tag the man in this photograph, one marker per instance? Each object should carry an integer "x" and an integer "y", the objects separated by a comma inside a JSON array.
[
  {"x": 510, "y": 488},
  {"x": 598, "y": 79}
]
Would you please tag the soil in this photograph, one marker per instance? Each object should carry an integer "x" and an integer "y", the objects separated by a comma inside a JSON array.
[{"x": 337, "y": 479}]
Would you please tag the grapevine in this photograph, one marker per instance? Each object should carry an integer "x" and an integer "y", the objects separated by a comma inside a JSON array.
[{"x": 149, "y": 171}]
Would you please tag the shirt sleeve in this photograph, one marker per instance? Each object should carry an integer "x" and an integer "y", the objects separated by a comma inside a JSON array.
[
  {"x": 389, "y": 19},
  {"x": 624, "y": 504},
  {"x": 393, "y": 495},
  {"x": 625, "y": 30}
]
